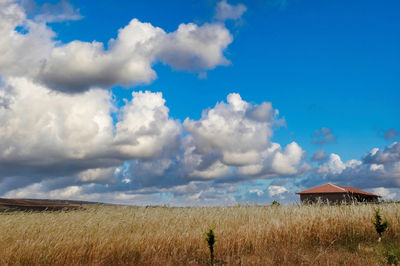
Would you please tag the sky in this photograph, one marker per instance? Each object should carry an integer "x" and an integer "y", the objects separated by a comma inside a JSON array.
[{"x": 186, "y": 103}]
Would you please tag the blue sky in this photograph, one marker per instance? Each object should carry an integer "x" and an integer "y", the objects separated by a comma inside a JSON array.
[
  {"x": 331, "y": 68},
  {"x": 321, "y": 63}
]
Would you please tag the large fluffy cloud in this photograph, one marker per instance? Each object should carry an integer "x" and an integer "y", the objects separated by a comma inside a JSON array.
[
  {"x": 72, "y": 139},
  {"x": 144, "y": 128},
  {"x": 63, "y": 135},
  {"x": 21, "y": 52},
  {"x": 45, "y": 133},
  {"x": 237, "y": 134},
  {"x": 128, "y": 59},
  {"x": 378, "y": 168},
  {"x": 229, "y": 143}
]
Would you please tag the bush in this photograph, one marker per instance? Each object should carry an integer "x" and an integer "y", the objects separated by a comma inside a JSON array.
[
  {"x": 380, "y": 226},
  {"x": 210, "y": 239},
  {"x": 275, "y": 203}
]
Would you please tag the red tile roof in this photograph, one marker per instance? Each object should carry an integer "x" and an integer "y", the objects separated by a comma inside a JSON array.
[{"x": 332, "y": 188}]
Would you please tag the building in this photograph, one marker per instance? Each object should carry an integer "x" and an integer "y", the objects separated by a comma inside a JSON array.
[{"x": 336, "y": 194}]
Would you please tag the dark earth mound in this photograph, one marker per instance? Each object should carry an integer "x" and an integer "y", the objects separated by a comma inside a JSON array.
[{"x": 36, "y": 205}]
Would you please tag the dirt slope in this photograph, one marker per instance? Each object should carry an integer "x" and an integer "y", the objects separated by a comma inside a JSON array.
[{"x": 35, "y": 205}]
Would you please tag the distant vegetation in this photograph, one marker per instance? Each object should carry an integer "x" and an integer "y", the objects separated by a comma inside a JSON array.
[
  {"x": 246, "y": 235},
  {"x": 9, "y": 205}
]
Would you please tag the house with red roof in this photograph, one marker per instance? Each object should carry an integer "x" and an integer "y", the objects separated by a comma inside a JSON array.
[{"x": 333, "y": 193}]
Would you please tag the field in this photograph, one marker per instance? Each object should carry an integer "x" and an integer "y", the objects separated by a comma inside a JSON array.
[{"x": 245, "y": 235}]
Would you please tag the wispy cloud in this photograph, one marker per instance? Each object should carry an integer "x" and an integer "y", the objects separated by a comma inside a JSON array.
[
  {"x": 391, "y": 134},
  {"x": 323, "y": 136},
  {"x": 319, "y": 156},
  {"x": 225, "y": 11},
  {"x": 59, "y": 12}
]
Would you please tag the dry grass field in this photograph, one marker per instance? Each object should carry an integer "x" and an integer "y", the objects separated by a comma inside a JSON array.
[{"x": 245, "y": 235}]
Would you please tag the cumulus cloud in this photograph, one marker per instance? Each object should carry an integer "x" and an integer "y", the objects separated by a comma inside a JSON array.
[
  {"x": 225, "y": 11},
  {"x": 230, "y": 129},
  {"x": 277, "y": 190},
  {"x": 62, "y": 135},
  {"x": 144, "y": 127},
  {"x": 385, "y": 193},
  {"x": 62, "y": 140},
  {"x": 378, "y": 168},
  {"x": 237, "y": 135},
  {"x": 195, "y": 48},
  {"x": 334, "y": 165},
  {"x": 55, "y": 134},
  {"x": 230, "y": 143},
  {"x": 129, "y": 58},
  {"x": 323, "y": 136},
  {"x": 390, "y": 154},
  {"x": 78, "y": 66},
  {"x": 21, "y": 53}
]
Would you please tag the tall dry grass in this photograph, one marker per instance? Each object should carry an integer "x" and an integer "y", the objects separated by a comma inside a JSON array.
[{"x": 246, "y": 235}]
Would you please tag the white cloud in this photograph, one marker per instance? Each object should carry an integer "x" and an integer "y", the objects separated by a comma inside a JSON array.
[
  {"x": 228, "y": 129},
  {"x": 287, "y": 162},
  {"x": 333, "y": 165},
  {"x": 55, "y": 134},
  {"x": 389, "y": 155},
  {"x": 79, "y": 144},
  {"x": 240, "y": 134},
  {"x": 386, "y": 194},
  {"x": 145, "y": 127},
  {"x": 48, "y": 135},
  {"x": 216, "y": 170},
  {"x": 225, "y": 11},
  {"x": 78, "y": 66},
  {"x": 259, "y": 192},
  {"x": 21, "y": 53},
  {"x": 233, "y": 139},
  {"x": 62, "y": 11},
  {"x": 228, "y": 143},
  {"x": 195, "y": 48},
  {"x": 99, "y": 175},
  {"x": 36, "y": 191},
  {"x": 276, "y": 190},
  {"x": 378, "y": 168},
  {"x": 41, "y": 127}
]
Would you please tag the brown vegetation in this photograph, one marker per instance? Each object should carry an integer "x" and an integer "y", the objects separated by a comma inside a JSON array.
[
  {"x": 245, "y": 235},
  {"x": 35, "y": 205}
]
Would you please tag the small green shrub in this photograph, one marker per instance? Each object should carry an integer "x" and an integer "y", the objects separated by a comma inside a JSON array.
[
  {"x": 275, "y": 203},
  {"x": 380, "y": 226},
  {"x": 210, "y": 239}
]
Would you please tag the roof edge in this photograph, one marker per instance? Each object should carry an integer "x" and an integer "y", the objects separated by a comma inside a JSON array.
[
  {"x": 344, "y": 192},
  {"x": 322, "y": 189}
]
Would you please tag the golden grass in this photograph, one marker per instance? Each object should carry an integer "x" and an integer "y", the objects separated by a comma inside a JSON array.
[{"x": 246, "y": 235}]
